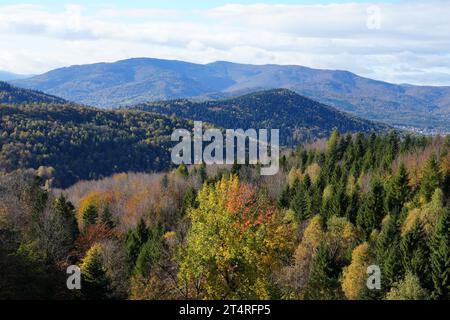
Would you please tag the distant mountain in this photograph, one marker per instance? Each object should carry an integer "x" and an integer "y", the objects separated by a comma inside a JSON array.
[
  {"x": 140, "y": 80},
  {"x": 82, "y": 143},
  {"x": 7, "y": 76},
  {"x": 14, "y": 95},
  {"x": 298, "y": 118}
]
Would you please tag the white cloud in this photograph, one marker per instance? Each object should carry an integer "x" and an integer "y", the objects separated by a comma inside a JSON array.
[{"x": 411, "y": 43}]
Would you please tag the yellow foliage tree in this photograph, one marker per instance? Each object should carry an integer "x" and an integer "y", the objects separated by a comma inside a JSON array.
[{"x": 355, "y": 275}]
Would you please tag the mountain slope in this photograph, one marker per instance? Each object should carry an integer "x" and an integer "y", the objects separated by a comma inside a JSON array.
[
  {"x": 13, "y": 95},
  {"x": 7, "y": 76},
  {"x": 83, "y": 143},
  {"x": 298, "y": 118},
  {"x": 140, "y": 80}
]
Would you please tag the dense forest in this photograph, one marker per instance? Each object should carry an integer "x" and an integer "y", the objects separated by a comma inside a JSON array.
[
  {"x": 299, "y": 119},
  {"x": 336, "y": 207},
  {"x": 83, "y": 143}
]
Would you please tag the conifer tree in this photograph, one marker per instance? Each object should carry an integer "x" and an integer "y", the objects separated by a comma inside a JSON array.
[
  {"x": 66, "y": 209},
  {"x": 431, "y": 178},
  {"x": 90, "y": 214},
  {"x": 440, "y": 258},
  {"x": 106, "y": 218},
  {"x": 371, "y": 211},
  {"x": 415, "y": 253},
  {"x": 94, "y": 281},
  {"x": 323, "y": 281},
  {"x": 135, "y": 240},
  {"x": 397, "y": 191}
]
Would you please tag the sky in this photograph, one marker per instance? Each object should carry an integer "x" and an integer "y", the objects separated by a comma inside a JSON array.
[{"x": 394, "y": 41}]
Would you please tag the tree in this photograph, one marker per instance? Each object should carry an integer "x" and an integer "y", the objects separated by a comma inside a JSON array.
[
  {"x": 355, "y": 275},
  {"x": 90, "y": 215},
  {"x": 149, "y": 254},
  {"x": 397, "y": 191},
  {"x": 431, "y": 178},
  {"x": 415, "y": 253},
  {"x": 323, "y": 281},
  {"x": 66, "y": 209},
  {"x": 189, "y": 200},
  {"x": 388, "y": 254},
  {"x": 440, "y": 258},
  {"x": 106, "y": 218},
  {"x": 236, "y": 243},
  {"x": 135, "y": 240},
  {"x": 408, "y": 289},
  {"x": 95, "y": 282},
  {"x": 371, "y": 211}
]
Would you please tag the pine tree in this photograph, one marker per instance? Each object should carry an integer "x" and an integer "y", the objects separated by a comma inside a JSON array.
[
  {"x": 431, "y": 178},
  {"x": 90, "y": 214},
  {"x": 95, "y": 282},
  {"x": 440, "y": 258}
]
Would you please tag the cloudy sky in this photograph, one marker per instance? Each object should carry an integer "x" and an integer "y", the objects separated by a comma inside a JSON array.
[{"x": 395, "y": 41}]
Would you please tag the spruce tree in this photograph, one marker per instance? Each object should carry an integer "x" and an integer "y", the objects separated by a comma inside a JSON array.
[
  {"x": 415, "y": 253},
  {"x": 397, "y": 191},
  {"x": 90, "y": 214},
  {"x": 94, "y": 281},
  {"x": 66, "y": 209},
  {"x": 323, "y": 281},
  {"x": 135, "y": 240},
  {"x": 440, "y": 258},
  {"x": 371, "y": 211},
  {"x": 106, "y": 218},
  {"x": 431, "y": 178}
]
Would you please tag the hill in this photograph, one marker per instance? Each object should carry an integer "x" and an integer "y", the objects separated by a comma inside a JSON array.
[
  {"x": 7, "y": 76},
  {"x": 298, "y": 118},
  {"x": 83, "y": 143},
  {"x": 140, "y": 80},
  {"x": 14, "y": 95}
]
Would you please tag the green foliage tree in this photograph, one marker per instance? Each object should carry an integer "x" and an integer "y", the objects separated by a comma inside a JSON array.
[
  {"x": 323, "y": 283},
  {"x": 440, "y": 258},
  {"x": 415, "y": 253},
  {"x": 371, "y": 211},
  {"x": 135, "y": 239},
  {"x": 90, "y": 214},
  {"x": 431, "y": 178},
  {"x": 397, "y": 191},
  {"x": 94, "y": 281}
]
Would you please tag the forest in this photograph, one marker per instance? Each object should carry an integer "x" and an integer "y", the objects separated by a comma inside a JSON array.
[
  {"x": 76, "y": 142},
  {"x": 337, "y": 206}
]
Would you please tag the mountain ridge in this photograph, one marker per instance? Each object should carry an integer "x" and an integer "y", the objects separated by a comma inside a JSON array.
[
  {"x": 299, "y": 118},
  {"x": 140, "y": 80}
]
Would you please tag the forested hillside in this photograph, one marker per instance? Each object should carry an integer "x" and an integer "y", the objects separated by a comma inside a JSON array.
[
  {"x": 207, "y": 232},
  {"x": 299, "y": 119},
  {"x": 13, "y": 95},
  {"x": 83, "y": 143}
]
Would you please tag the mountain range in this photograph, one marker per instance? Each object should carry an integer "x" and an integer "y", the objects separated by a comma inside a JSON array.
[{"x": 141, "y": 80}]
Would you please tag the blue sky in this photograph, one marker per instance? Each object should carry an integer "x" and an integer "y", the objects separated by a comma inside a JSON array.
[{"x": 395, "y": 41}]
